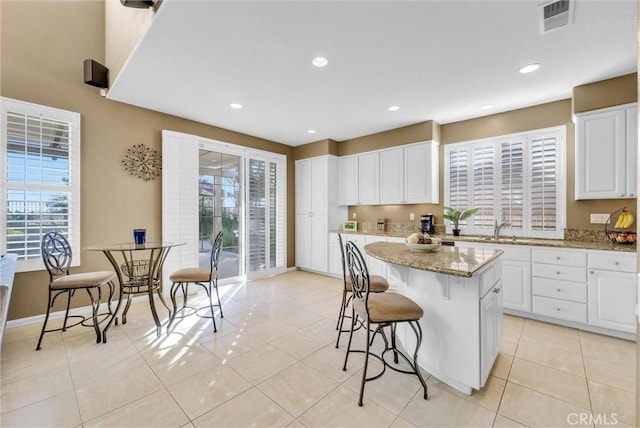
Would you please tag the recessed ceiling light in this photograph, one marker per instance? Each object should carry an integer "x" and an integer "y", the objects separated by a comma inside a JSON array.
[
  {"x": 320, "y": 61},
  {"x": 311, "y": 131},
  {"x": 235, "y": 105},
  {"x": 487, "y": 107},
  {"x": 393, "y": 108},
  {"x": 529, "y": 68}
]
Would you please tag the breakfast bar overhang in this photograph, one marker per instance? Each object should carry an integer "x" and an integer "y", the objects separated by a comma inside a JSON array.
[{"x": 459, "y": 290}]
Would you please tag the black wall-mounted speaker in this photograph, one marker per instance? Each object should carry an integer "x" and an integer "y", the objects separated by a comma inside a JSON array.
[
  {"x": 140, "y": 4},
  {"x": 96, "y": 74}
]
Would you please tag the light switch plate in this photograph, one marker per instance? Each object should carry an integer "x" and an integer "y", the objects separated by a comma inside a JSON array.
[
  {"x": 412, "y": 216},
  {"x": 599, "y": 218}
]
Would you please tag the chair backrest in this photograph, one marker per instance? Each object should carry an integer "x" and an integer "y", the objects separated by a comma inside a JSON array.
[
  {"x": 215, "y": 251},
  {"x": 56, "y": 254},
  {"x": 358, "y": 272},
  {"x": 343, "y": 260}
]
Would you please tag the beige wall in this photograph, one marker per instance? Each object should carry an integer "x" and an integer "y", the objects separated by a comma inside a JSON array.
[
  {"x": 606, "y": 93},
  {"x": 43, "y": 46}
]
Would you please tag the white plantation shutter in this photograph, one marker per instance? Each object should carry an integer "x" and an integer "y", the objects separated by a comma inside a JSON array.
[
  {"x": 512, "y": 183},
  {"x": 40, "y": 176},
  {"x": 483, "y": 186},
  {"x": 458, "y": 179},
  {"x": 544, "y": 183},
  {"x": 516, "y": 178},
  {"x": 180, "y": 201}
]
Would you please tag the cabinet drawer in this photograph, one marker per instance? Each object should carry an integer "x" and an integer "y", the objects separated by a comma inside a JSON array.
[
  {"x": 563, "y": 309},
  {"x": 564, "y": 290},
  {"x": 560, "y": 257},
  {"x": 564, "y": 273},
  {"x": 615, "y": 261}
]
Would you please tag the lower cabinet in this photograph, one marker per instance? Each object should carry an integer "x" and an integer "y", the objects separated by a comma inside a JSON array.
[
  {"x": 312, "y": 250},
  {"x": 490, "y": 327},
  {"x": 612, "y": 293}
]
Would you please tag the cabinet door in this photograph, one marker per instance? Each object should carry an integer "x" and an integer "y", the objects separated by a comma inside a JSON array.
[
  {"x": 632, "y": 150},
  {"x": 303, "y": 241},
  {"x": 601, "y": 155},
  {"x": 319, "y": 246},
  {"x": 319, "y": 185},
  {"x": 516, "y": 283},
  {"x": 490, "y": 329},
  {"x": 348, "y": 180},
  {"x": 369, "y": 179},
  {"x": 392, "y": 176},
  {"x": 612, "y": 300},
  {"x": 375, "y": 266},
  {"x": 303, "y": 187},
  {"x": 335, "y": 255},
  {"x": 421, "y": 174}
]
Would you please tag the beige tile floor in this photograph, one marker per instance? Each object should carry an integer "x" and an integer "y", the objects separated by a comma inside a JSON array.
[{"x": 273, "y": 363}]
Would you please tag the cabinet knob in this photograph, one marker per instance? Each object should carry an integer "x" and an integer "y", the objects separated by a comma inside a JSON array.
[
  {"x": 557, "y": 309},
  {"x": 558, "y": 273},
  {"x": 631, "y": 194},
  {"x": 621, "y": 195},
  {"x": 616, "y": 263},
  {"x": 591, "y": 272},
  {"x": 496, "y": 290},
  {"x": 558, "y": 290},
  {"x": 557, "y": 257}
]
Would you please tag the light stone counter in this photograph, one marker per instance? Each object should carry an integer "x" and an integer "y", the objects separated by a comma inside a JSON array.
[{"x": 454, "y": 261}]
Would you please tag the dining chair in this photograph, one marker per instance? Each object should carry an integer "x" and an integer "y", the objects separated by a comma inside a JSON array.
[
  {"x": 382, "y": 310},
  {"x": 378, "y": 285},
  {"x": 56, "y": 255},
  {"x": 205, "y": 278}
]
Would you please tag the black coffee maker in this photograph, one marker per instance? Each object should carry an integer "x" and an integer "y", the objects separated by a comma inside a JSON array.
[{"x": 427, "y": 223}]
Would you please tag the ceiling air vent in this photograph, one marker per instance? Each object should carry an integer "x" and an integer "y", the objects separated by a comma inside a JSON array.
[{"x": 556, "y": 14}]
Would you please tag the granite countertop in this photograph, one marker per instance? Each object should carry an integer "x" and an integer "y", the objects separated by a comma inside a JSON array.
[
  {"x": 558, "y": 243},
  {"x": 464, "y": 262}
]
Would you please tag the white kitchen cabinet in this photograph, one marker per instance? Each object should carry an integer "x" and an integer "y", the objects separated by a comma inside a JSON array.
[
  {"x": 335, "y": 255},
  {"x": 348, "y": 179},
  {"x": 369, "y": 178},
  {"x": 612, "y": 290},
  {"x": 409, "y": 174},
  {"x": 317, "y": 210},
  {"x": 559, "y": 283},
  {"x": 606, "y": 153},
  {"x": 490, "y": 328}
]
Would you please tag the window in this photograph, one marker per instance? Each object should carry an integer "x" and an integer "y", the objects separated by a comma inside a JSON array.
[
  {"x": 40, "y": 175},
  {"x": 516, "y": 178}
]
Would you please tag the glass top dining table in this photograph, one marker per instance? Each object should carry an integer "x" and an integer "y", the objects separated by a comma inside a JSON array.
[{"x": 138, "y": 268}]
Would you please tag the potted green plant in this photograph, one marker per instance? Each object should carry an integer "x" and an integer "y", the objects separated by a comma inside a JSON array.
[{"x": 456, "y": 216}]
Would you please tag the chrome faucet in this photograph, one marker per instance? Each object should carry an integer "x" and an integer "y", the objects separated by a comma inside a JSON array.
[{"x": 497, "y": 227}]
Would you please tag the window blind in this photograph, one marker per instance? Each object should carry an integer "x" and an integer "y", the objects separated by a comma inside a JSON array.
[
  {"x": 41, "y": 179},
  {"x": 515, "y": 178}
]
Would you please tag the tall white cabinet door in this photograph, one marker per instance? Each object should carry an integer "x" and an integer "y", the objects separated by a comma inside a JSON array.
[
  {"x": 632, "y": 150},
  {"x": 348, "y": 179},
  {"x": 318, "y": 244},
  {"x": 612, "y": 299},
  {"x": 303, "y": 241},
  {"x": 392, "y": 176},
  {"x": 303, "y": 187},
  {"x": 601, "y": 155},
  {"x": 319, "y": 185},
  {"x": 421, "y": 171},
  {"x": 369, "y": 179}
]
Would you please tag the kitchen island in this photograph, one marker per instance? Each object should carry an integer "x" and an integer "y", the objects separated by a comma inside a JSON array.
[{"x": 459, "y": 290}]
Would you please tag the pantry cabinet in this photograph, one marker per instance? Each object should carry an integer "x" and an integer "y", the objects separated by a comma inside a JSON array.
[
  {"x": 606, "y": 153},
  {"x": 317, "y": 210}
]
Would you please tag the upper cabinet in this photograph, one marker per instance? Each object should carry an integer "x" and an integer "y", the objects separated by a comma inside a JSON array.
[
  {"x": 606, "y": 150},
  {"x": 406, "y": 174}
]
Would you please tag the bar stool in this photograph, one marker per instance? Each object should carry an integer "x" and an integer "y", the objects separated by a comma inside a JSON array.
[
  {"x": 383, "y": 310},
  {"x": 378, "y": 285}
]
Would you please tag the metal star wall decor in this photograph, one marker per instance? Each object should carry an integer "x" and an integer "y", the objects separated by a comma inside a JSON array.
[{"x": 142, "y": 162}]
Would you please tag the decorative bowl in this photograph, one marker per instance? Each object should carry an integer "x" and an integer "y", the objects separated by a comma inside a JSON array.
[{"x": 422, "y": 247}]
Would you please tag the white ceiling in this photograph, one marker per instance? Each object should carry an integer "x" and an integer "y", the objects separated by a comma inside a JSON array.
[{"x": 437, "y": 60}]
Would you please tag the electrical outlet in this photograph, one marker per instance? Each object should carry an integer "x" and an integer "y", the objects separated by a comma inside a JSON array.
[
  {"x": 412, "y": 216},
  {"x": 353, "y": 216},
  {"x": 599, "y": 218}
]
